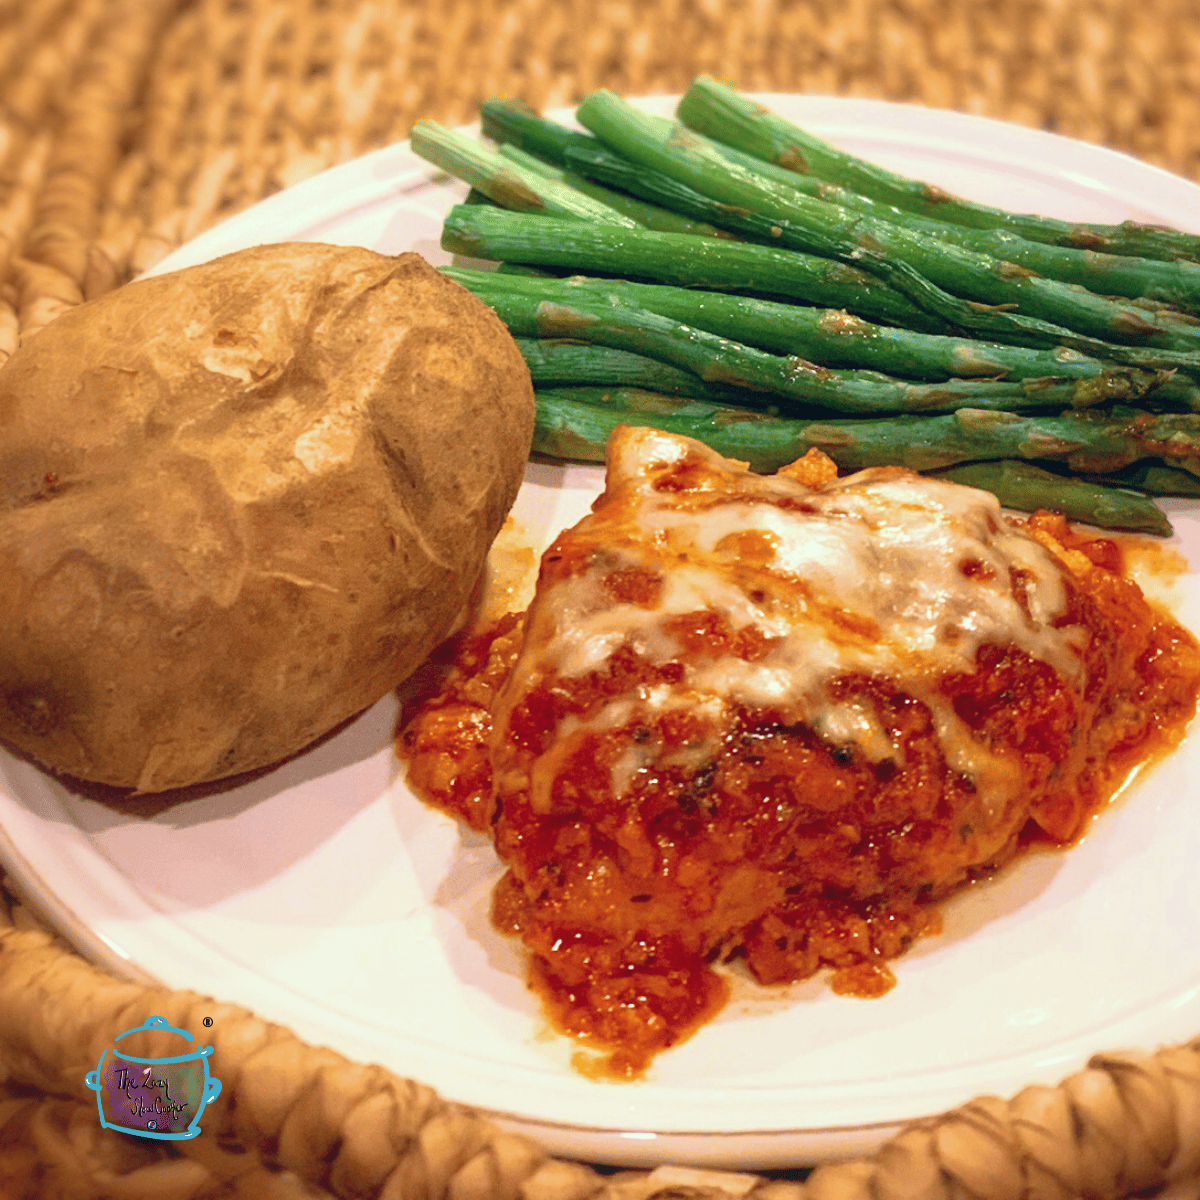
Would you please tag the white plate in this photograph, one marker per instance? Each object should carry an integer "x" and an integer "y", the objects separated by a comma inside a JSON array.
[{"x": 326, "y": 898}]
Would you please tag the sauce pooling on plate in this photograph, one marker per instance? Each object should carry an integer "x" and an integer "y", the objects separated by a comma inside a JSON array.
[{"x": 777, "y": 719}]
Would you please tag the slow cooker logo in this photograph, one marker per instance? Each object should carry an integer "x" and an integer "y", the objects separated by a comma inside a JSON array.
[{"x": 153, "y": 1097}]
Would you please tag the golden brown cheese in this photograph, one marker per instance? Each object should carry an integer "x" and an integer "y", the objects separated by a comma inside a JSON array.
[{"x": 778, "y": 718}]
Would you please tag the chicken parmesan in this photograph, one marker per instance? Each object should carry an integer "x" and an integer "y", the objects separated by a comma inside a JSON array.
[{"x": 778, "y": 719}]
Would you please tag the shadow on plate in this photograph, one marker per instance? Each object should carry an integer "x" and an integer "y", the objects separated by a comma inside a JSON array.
[
  {"x": 196, "y": 847},
  {"x": 354, "y": 740}
]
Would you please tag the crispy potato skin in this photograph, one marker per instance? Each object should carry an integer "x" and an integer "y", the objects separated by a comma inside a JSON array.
[{"x": 242, "y": 501}]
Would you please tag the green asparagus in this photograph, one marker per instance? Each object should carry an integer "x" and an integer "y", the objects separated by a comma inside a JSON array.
[
  {"x": 834, "y": 338},
  {"x": 1027, "y": 488},
  {"x": 1086, "y": 444},
  {"x": 722, "y": 113},
  {"x": 1154, "y": 478},
  {"x": 677, "y": 259},
  {"x": 880, "y": 247},
  {"x": 575, "y": 423},
  {"x": 1175, "y": 283},
  {"x": 509, "y": 184},
  {"x": 715, "y": 264},
  {"x": 556, "y": 363},
  {"x": 602, "y": 164},
  {"x": 719, "y": 363},
  {"x": 651, "y": 216},
  {"x": 1170, "y": 283},
  {"x": 767, "y": 379},
  {"x": 519, "y": 124}
]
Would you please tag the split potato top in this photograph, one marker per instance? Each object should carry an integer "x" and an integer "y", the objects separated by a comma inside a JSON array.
[{"x": 242, "y": 501}]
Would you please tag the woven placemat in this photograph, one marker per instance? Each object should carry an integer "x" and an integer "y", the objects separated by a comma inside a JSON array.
[{"x": 129, "y": 126}]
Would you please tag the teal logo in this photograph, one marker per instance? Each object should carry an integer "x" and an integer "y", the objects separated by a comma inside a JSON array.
[{"x": 153, "y": 1097}]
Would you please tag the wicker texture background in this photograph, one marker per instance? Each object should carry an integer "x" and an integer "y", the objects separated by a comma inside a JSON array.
[{"x": 128, "y": 126}]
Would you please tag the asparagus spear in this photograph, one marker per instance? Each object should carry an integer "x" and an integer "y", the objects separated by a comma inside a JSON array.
[
  {"x": 1172, "y": 283},
  {"x": 1175, "y": 283},
  {"x": 1027, "y": 488},
  {"x": 601, "y": 163},
  {"x": 906, "y": 259},
  {"x": 554, "y": 363},
  {"x": 1087, "y": 444},
  {"x": 721, "y": 112},
  {"x": 519, "y": 124},
  {"x": 507, "y": 183},
  {"x": 576, "y": 424},
  {"x": 766, "y": 378},
  {"x": 559, "y": 363},
  {"x": 741, "y": 267},
  {"x": 835, "y": 338},
  {"x": 515, "y": 123},
  {"x": 1155, "y": 478},
  {"x": 650, "y": 216},
  {"x": 677, "y": 259},
  {"x": 587, "y": 152}
]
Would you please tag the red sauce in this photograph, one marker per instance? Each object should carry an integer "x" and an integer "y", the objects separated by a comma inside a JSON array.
[
  {"x": 783, "y": 851},
  {"x": 446, "y": 727}
]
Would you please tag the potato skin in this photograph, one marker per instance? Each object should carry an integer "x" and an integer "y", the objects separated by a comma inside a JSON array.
[{"x": 242, "y": 501}]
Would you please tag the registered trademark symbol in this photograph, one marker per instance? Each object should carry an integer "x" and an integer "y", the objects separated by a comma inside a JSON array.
[{"x": 208, "y": 1022}]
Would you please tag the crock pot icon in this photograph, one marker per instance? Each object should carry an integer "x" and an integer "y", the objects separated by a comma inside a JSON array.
[{"x": 153, "y": 1097}]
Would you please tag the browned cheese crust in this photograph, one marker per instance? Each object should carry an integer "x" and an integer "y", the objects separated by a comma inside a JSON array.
[{"x": 242, "y": 501}]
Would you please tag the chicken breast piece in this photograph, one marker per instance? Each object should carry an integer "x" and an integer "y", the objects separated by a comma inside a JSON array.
[{"x": 777, "y": 718}]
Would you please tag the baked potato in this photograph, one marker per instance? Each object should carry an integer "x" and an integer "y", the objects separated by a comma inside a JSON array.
[{"x": 240, "y": 502}]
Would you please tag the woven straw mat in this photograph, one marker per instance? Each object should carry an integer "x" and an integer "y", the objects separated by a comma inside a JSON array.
[{"x": 127, "y": 127}]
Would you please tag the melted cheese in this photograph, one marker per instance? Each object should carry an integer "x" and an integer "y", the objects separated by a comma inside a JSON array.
[{"x": 884, "y": 573}]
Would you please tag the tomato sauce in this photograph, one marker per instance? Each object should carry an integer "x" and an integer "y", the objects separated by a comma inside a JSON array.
[{"x": 648, "y": 842}]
